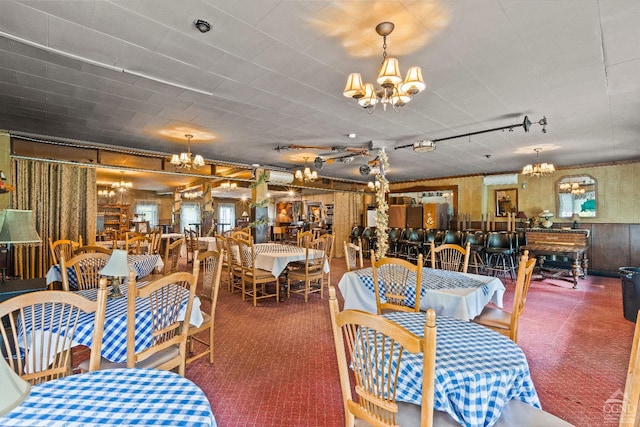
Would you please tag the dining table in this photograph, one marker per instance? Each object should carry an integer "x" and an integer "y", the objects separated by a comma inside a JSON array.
[
  {"x": 143, "y": 265},
  {"x": 448, "y": 293},
  {"x": 274, "y": 257},
  {"x": 114, "y": 397},
  {"x": 478, "y": 371}
]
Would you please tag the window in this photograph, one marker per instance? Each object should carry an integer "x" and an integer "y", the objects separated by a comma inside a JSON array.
[
  {"x": 147, "y": 211},
  {"x": 189, "y": 214},
  {"x": 226, "y": 216}
]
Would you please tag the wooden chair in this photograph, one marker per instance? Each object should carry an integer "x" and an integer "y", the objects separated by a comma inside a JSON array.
[
  {"x": 629, "y": 415},
  {"x": 210, "y": 268},
  {"x": 221, "y": 244},
  {"x": 191, "y": 240},
  {"x": 253, "y": 276},
  {"x": 25, "y": 322},
  {"x": 171, "y": 257},
  {"x": 502, "y": 321},
  {"x": 60, "y": 247},
  {"x": 137, "y": 245},
  {"x": 450, "y": 256},
  {"x": 92, "y": 249},
  {"x": 303, "y": 238},
  {"x": 330, "y": 238},
  {"x": 86, "y": 267},
  {"x": 156, "y": 239},
  {"x": 312, "y": 271},
  {"x": 353, "y": 254},
  {"x": 241, "y": 234},
  {"x": 235, "y": 265},
  {"x": 398, "y": 277},
  {"x": 376, "y": 375}
]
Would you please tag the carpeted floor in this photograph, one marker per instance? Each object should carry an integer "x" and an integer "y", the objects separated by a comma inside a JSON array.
[{"x": 275, "y": 363}]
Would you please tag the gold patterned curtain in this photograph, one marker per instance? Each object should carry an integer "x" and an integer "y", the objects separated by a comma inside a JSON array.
[
  {"x": 347, "y": 213},
  {"x": 63, "y": 200}
]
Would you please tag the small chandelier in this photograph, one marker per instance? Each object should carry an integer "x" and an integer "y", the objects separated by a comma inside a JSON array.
[
  {"x": 573, "y": 188},
  {"x": 192, "y": 194},
  {"x": 394, "y": 91},
  {"x": 539, "y": 169},
  {"x": 306, "y": 175},
  {"x": 228, "y": 185},
  {"x": 184, "y": 160},
  {"x": 121, "y": 186},
  {"x": 106, "y": 193}
]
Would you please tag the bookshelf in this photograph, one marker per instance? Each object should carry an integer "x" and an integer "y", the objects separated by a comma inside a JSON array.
[{"x": 115, "y": 216}]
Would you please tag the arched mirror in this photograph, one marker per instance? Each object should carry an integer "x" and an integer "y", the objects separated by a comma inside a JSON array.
[{"x": 577, "y": 196}]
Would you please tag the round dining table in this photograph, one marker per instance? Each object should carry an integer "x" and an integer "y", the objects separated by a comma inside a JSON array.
[{"x": 114, "y": 397}]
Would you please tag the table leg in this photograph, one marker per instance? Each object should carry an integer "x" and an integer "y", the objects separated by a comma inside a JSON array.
[{"x": 575, "y": 272}]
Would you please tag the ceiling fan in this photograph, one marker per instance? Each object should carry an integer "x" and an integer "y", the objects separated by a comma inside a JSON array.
[{"x": 340, "y": 154}]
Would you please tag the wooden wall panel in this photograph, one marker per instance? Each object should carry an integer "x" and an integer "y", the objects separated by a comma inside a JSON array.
[{"x": 609, "y": 247}]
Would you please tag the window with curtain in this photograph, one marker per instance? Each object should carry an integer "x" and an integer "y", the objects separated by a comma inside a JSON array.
[
  {"x": 147, "y": 211},
  {"x": 226, "y": 216},
  {"x": 189, "y": 214}
]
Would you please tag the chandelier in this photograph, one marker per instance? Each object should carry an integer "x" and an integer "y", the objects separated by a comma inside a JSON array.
[
  {"x": 306, "y": 175},
  {"x": 184, "y": 160},
  {"x": 192, "y": 194},
  {"x": 538, "y": 169},
  {"x": 394, "y": 92},
  {"x": 121, "y": 186},
  {"x": 228, "y": 185},
  {"x": 573, "y": 188}
]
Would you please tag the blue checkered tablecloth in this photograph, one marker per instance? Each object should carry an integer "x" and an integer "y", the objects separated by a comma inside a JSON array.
[
  {"x": 142, "y": 264},
  {"x": 477, "y": 370},
  {"x": 114, "y": 397},
  {"x": 431, "y": 279}
]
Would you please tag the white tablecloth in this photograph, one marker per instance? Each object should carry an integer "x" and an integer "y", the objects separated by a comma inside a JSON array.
[
  {"x": 274, "y": 257},
  {"x": 455, "y": 301},
  {"x": 114, "y": 397}
]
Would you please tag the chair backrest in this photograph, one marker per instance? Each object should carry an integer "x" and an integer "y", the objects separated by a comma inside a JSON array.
[
  {"x": 374, "y": 352},
  {"x": 246, "y": 253},
  {"x": 172, "y": 256},
  {"x": 137, "y": 245},
  {"x": 450, "y": 256},
  {"x": 209, "y": 265},
  {"x": 37, "y": 337},
  {"x": 452, "y": 236},
  {"x": 60, "y": 247},
  {"x": 314, "y": 260},
  {"x": 401, "y": 281},
  {"x": 166, "y": 298},
  {"x": 303, "y": 238},
  {"x": 92, "y": 249},
  {"x": 353, "y": 254},
  {"x": 191, "y": 242},
  {"x": 499, "y": 240},
  {"x": 156, "y": 239},
  {"x": 525, "y": 271},
  {"x": 86, "y": 268},
  {"x": 629, "y": 415}
]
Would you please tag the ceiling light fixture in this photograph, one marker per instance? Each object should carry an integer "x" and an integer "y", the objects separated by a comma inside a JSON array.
[
  {"x": 106, "y": 193},
  {"x": 430, "y": 145},
  {"x": 306, "y": 175},
  {"x": 538, "y": 169},
  {"x": 395, "y": 92},
  {"x": 184, "y": 160},
  {"x": 123, "y": 185},
  {"x": 227, "y": 186},
  {"x": 202, "y": 26}
]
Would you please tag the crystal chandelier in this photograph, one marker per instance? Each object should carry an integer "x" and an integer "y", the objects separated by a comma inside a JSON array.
[
  {"x": 394, "y": 92},
  {"x": 306, "y": 175},
  {"x": 123, "y": 185},
  {"x": 538, "y": 169},
  {"x": 184, "y": 160}
]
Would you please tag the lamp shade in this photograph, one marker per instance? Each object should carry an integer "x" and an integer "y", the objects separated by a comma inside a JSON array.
[
  {"x": 117, "y": 266},
  {"x": 389, "y": 73},
  {"x": 521, "y": 214},
  {"x": 16, "y": 226},
  {"x": 545, "y": 214},
  {"x": 354, "y": 87},
  {"x": 245, "y": 214},
  {"x": 413, "y": 83},
  {"x": 14, "y": 389}
]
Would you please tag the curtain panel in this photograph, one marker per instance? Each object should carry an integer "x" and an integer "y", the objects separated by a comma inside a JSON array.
[
  {"x": 63, "y": 200},
  {"x": 347, "y": 213}
]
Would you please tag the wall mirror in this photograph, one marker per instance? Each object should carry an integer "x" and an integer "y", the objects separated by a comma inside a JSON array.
[
  {"x": 506, "y": 201},
  {"x": 577, "y": 196}
]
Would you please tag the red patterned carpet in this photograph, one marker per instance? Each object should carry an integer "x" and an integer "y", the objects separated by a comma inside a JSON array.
[{"x": 275, "y": 365}]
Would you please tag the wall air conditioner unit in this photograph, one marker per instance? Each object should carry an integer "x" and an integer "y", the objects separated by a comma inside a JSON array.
[
  {"x": 509, "y": 178},
  {"x": 277, "y": 177}
]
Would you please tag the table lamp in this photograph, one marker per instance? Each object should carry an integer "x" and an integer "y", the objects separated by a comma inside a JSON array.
[
  {"x": 117, "y": 267},
  {"x": 245, "y": 215},
  {"x": 14, "y": 389},
  {"x": 16, "y": 227},
  {"x": 522, "y": 217},
  {"x": 547, "y": 223}
]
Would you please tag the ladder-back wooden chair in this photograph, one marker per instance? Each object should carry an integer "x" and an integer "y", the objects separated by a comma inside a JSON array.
[
  {"x": 507, "y": 322},
  {"x": 450, "y": 256},
  {"x": 171, "y": 257},
  {"x": 373, "y": 353},
  {"x": 40, "y": 328},
  {"x": 92, "y": 249},
  {"x": 311, "y": 273},
  {"x": 353, "y": 255},
  {"x": 397, "y": 283},
  {"x": 137, "y": 245},
  {"x": 210, "y": 268},
  {"x": 254, "y": 279},
  {"x": 62, "y": 246}
]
